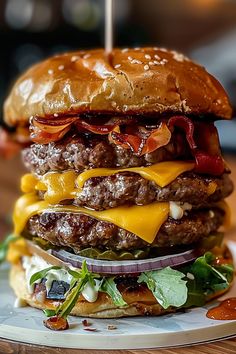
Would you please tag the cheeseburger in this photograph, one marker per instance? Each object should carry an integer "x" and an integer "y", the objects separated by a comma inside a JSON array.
[{"x": 122, "y": 206}]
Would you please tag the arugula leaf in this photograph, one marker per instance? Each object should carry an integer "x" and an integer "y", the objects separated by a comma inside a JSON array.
[
  {"x": 167, "y": 286},
  {"x": 41, "y": 274},
  {"x": 211, "y": 277},
  {"x": 49, "y": 313},
  {"x": 74, "y": 292},
  {"x": 109, "y": 286},
  {"x": 4, "y": 246},
  {"x": 196, "y": 296},
  {"x": 207, "y": 279}
]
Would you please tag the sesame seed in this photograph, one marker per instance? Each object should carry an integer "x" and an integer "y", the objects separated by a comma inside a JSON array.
[
  {"x": 156, "y": 62},
  {"x": 130, "y": 58},
  {"x": 74, "y": 58},
  {"x": 147, "y": 56},
  {"x": 157, "y": 57},
  {"x": 86, "y": 56},
  {"x": 50, "y": 71},
  {"x": 163, "y": 61},
  {"x": 155, "y": 48},
  {"x": 125, "y": 50},
  {"x": 61, "y": 67},
  {"x": 135, "y": 61},
  {"x": 163, "y": 49},
  {"x": 137, "y": 48},
  {"x": 55, "y": 115},
  {"x": 151, "y": 63},
  {"x": 179, "y": 56},
  {"x": 117, "y": 66},
  {"x": 146, "y": 67}
]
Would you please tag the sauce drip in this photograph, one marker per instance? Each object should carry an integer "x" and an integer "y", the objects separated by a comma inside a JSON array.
[
  {"x": 56, "y": 323},
  {"x": 226, "y": 310}
]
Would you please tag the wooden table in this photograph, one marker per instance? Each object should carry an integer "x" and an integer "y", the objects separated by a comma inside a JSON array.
[{"x": 10, "y": 172}]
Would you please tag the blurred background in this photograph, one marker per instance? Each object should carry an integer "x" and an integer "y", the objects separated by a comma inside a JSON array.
[{"x": 31, "y": 30}]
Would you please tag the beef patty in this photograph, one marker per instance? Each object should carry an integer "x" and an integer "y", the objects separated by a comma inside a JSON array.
[
  {"x": 79, "y": 231},
  {"x": 81, "y": 152},
  {"x": 108, "y": 192}
]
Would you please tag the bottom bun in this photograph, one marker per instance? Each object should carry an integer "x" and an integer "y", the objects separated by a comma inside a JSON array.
[{"x": 140, "y": 300}]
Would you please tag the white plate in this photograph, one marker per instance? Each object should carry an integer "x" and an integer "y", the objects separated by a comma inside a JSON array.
[{"x": 191, "y": 327}]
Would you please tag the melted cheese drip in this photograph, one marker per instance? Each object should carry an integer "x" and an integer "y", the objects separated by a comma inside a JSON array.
[
  {"x": 144, "y": 221},
  {"x": 161, "y": 173},
  {"x": 16, "y": 250},
  {"x": 65, "y": 185}
]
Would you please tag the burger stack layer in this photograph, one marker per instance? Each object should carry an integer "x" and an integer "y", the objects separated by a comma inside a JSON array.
[{"x": 123, "y": 202}]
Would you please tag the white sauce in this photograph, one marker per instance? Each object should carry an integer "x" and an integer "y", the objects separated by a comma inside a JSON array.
[
  {"x": 177, "y": 209},
  {"x": 35, "y": 264},
  {"x": 90, "y": 292}
]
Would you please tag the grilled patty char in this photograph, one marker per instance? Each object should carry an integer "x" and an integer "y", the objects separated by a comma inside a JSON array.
[
  {"x": 129, "y": 188},
  {"x": 100, "y": 193},
  {"x": 79, "y": 231},
  {"x": 81, "y": 152}
]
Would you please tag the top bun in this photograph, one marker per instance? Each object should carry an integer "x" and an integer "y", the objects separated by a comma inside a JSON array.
[{"x": 129, "y": 81}]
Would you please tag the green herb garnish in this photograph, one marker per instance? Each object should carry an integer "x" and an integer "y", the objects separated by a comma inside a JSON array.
[
  {"x": 109, "y": 286},
  {"x": 5, "y": 245},
  {"x": 167, "y": 285}
]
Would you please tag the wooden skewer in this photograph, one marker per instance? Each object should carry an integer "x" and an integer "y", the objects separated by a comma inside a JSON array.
[{"x": 108, "y": 26}]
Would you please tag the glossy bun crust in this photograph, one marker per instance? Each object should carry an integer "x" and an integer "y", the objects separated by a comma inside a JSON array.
[{"x": 129, "y": 81}]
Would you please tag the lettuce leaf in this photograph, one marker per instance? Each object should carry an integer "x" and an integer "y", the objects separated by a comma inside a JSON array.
[
  {"x": 109, "y": 286},
  {"x": 167, "y": 285}
]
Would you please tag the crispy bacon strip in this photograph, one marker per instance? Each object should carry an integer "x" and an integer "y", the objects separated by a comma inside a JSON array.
[
  {"x": 203, "y": 141},
  {"x": 209, "y": 164},
  {"x": 187, "y": 125},
  {"x": 158, "y": 137},
  {"x": 127, "y": 141},
  {"x": 201, "y": 137},
  {"x": 142, "y": 141}
]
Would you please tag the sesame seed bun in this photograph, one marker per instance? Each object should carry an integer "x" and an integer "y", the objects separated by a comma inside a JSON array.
[{"x": 129, "y": 81}]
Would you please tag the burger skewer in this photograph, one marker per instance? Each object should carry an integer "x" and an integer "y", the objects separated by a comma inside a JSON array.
[{"x": 109, "y": 8}]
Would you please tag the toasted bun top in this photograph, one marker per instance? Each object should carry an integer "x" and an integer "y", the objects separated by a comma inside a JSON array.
[{"x": 129, "y": 81}]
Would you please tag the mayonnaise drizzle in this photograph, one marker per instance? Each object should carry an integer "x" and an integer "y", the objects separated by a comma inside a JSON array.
[{"x": 35, "y": 264}]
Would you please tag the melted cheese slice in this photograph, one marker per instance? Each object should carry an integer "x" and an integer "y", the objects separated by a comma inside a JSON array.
[
  {"x": 144, "y": 221},
  {"x": 65, "y": 185},
  {"x": 161, "y": 173}
]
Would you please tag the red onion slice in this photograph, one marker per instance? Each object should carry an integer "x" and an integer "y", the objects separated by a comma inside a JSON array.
[{"x": 124, "y": 267}]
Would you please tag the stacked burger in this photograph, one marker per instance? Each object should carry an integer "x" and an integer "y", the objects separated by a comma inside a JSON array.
[{"x": 123, "y": 199}]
